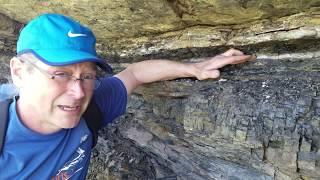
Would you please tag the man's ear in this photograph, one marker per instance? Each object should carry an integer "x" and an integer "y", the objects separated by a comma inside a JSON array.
[{"x": 16, "y": 69}]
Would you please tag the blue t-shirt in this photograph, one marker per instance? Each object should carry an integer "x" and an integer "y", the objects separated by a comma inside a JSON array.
[{"x": 61, "y": 155}]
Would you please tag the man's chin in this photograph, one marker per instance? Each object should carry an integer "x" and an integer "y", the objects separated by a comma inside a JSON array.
[{"x": 70, "y": 123}]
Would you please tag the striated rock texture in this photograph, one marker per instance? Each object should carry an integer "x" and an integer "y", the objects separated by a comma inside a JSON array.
[{"x": 260, "y": 120}]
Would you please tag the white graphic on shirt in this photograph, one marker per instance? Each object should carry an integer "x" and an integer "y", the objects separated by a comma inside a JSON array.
[
  {"x": 84, "y": 138},
  {"x": 68, "y": 170}
]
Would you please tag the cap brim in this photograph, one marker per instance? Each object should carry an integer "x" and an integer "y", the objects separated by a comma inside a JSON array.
[{"x": 67, "y": 57}]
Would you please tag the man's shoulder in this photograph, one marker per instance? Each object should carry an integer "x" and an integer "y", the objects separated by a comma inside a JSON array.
[{"x": 110, "y": 87}]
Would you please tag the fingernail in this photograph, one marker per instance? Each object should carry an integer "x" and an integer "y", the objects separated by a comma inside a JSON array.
[{"x": 253, "y": 57}]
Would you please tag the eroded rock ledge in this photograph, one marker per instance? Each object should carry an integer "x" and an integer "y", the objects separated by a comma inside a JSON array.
[{"x": 259, "y": 121}]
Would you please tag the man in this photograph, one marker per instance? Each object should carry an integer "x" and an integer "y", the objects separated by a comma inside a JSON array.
[{"x": 55, "y": 71}]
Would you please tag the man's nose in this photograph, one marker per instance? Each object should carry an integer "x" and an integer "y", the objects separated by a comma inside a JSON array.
[{"x": 76, "y": 89}]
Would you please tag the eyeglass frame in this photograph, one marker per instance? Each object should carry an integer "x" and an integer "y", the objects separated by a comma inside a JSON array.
[{"x": 97, "y": 80}]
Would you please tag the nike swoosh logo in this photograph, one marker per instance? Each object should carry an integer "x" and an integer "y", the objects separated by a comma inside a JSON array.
[{"x": 70, "y": 34}]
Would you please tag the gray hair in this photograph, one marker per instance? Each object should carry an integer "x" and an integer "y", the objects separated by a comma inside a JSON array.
[{"x": 28, "y": 58}]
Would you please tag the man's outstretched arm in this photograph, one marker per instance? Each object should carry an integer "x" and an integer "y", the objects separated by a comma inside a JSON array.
[{"x": 157, "y": 70}]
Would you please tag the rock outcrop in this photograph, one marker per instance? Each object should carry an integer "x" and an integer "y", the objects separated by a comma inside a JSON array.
[{"x": 260, "y": 120}]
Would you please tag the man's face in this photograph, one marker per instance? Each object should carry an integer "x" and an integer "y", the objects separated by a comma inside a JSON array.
[{"x": 47, "y": 105}]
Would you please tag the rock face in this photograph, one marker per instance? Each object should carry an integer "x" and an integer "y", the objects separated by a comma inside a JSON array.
[{"x": 260, "y": 120}]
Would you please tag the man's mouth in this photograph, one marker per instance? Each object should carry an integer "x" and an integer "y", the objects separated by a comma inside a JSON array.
[{"x": 69, "y": 108}]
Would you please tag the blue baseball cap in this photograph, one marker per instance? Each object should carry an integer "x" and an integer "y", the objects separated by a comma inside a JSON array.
[{"x": 58, "y": 40}]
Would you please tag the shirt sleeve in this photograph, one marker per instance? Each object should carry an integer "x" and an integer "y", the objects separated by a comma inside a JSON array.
[{"x": 111, "y": 98}]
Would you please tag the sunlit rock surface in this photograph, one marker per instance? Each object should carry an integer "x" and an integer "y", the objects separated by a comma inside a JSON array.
[{"x": 260, "y": 120}]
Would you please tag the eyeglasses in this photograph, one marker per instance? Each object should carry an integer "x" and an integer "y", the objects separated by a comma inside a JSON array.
[{"x": 88, "y": 80}]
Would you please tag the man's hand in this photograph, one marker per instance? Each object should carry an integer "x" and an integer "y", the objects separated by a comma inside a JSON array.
[
  {"x": 158, "y": 70},
  {"x": 209, "y": 68}
]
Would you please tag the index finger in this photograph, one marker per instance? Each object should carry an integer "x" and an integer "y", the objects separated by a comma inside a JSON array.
[{"x": 225, "y": 60}]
